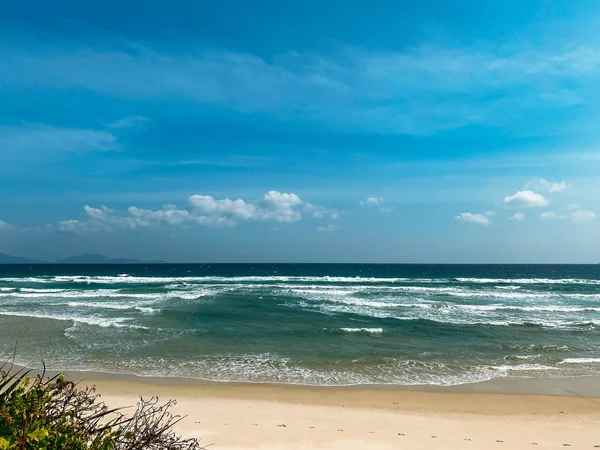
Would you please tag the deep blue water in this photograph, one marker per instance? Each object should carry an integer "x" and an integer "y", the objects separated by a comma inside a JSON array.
[{"x": 325, "y": 324}]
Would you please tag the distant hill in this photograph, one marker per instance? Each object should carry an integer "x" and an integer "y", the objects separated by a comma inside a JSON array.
[
  {"x": 79, "y": 259},
  {"x": 93, "y": 258},
  {"x": 9, "y": 259}
]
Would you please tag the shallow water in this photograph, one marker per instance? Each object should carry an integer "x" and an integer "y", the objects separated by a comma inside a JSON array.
[{"x": 307, "y": 324}]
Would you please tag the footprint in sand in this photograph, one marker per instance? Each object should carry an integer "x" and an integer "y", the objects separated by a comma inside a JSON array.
[
  {"x": 254, "y": 424},
  {"x": 401, "y": 434},
  {"x": 498, "y": 440},
  {"x": 467, "y": 439},
  {"x": 283, "y": 425},
  {"x": 433, "y": 437},
  {"x": 371, "y": 432},
  {"x": 339, "y": 429},
  {"x": 310, "y": 427}
]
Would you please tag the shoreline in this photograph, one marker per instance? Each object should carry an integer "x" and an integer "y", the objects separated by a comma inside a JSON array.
[
  {"x": 472, "y": 402},
  {"x": 582, "y": 386},
  {"x": 253, "y": 416}
]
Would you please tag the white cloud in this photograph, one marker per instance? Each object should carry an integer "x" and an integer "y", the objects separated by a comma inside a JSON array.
[
  {"x": 583, "y": 216},
  {"x": 202, "y": 210},
  {"x": 517, "y": 216},
  {"x": 546, "y": 186},
  {"x": 327, "y": 228},
  {"x": 208, "y": 210},
  {"x": 70, "y": 226},
  {"x": 525, "y": 198},
  {"x": 371, "y": 202},
  {"x": 375, "y": 202},
  {"x": 320, "y": 212},
  {"x": 480, "y": 219},
  {"x": 279, "y": 207}
]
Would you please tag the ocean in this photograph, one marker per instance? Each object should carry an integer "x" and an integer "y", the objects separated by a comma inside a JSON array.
[{"x": 313, "y": 324}]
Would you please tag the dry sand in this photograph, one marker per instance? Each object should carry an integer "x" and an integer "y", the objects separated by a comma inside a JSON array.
[{"x": 286, "y": 417}]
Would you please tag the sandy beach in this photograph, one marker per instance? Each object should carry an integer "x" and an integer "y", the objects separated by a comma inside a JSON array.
[{"x": 272, "y": 417}]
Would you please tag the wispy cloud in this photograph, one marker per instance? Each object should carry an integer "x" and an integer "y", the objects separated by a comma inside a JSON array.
[
  {"x": 328, "y": 228},
  {"x": 371, "y": 202},
  {"x": 583, "y": 216},
  {"x": 128, "y": 122},
  {"x": 550, "y": 215},
  {"x": 542, "y": 185},
  {"x": 32, "y": 139},
  {"x": 519, "y": 217},
  {"x": 417, "y": 91}
]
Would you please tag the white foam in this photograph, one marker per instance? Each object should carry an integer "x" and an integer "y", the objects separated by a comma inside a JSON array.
[
  {"x": 110, "y": 305},
  {"x": 363, "y": 330},
  {"x": 447, "y": 316},
  {"x": 523, "y": 356},
  {"x": 397, "y": 303},
  {"x": 107, "y": 293},
  {"x": 41, "y": 291},
  {"x": 428, "y": 291},
  {"x": 549, "y": 308},
  {"x": 103, "y": 322},
  {"x": 580, "y": 361},
  {"x": 529, "y": 280},
  {"x": 525, "y": 368}
]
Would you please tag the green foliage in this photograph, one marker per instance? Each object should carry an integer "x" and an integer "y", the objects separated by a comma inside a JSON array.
[{"x": 55, "y": 414}]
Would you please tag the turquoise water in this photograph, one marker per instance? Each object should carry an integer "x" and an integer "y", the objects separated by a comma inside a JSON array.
[{"x": 306, "y": 324}]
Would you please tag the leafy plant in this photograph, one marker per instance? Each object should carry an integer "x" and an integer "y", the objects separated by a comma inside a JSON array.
[{"x": 40, "y": 413}]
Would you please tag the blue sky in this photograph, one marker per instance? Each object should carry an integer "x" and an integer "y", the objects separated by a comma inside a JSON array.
[{"x": 328, "y": 131}]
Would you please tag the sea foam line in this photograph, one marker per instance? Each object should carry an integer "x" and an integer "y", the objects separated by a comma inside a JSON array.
[
  {"x": 103, "y": 322},
  {"x": 469, "y": 320},
  {"x": 363, "y": 330},
  {"x": 529, "y": 280},
  {"x": 580, "y": 361}
]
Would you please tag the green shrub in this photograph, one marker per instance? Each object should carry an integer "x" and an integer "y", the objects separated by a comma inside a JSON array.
[{"x": 40, "y": 413}]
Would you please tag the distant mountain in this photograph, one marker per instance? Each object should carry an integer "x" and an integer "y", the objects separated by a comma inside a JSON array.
[
  {"x": 92, "y": 258},
  {"x": 9, "y": 259}
]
